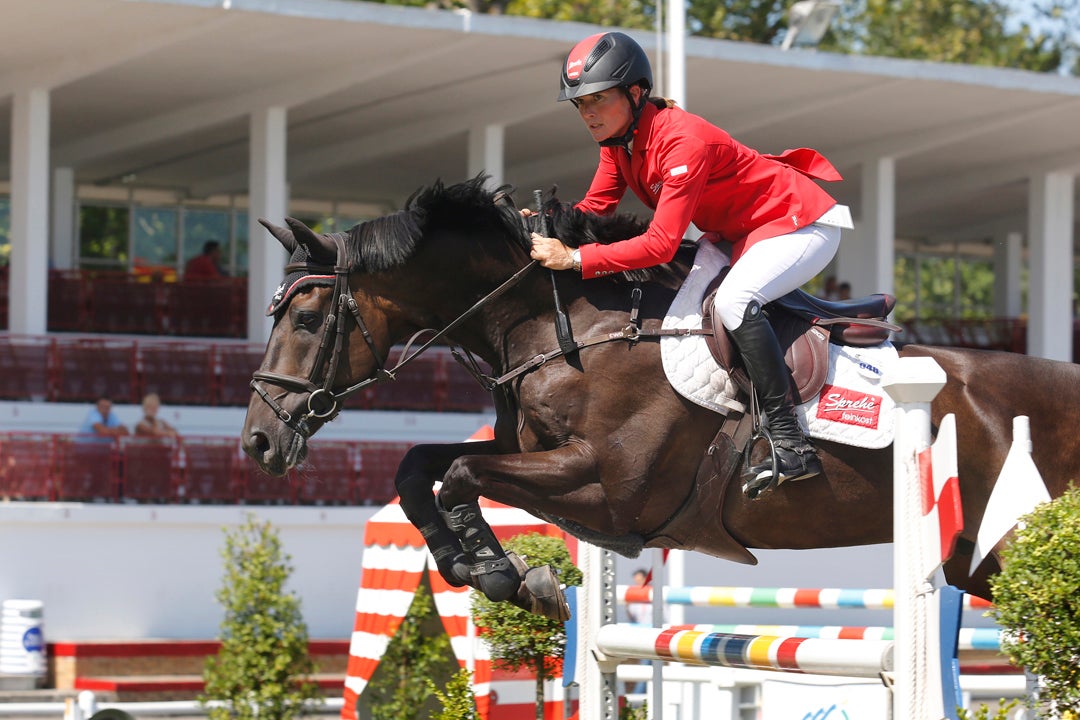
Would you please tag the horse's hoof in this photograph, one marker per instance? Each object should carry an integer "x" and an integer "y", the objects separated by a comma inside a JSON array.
[{"x": 545, "y": 593}]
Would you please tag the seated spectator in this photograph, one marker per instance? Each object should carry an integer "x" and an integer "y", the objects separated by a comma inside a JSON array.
[
  {"x": 830, "y": 292},
  {"x": 843, "y": 291},
  {"x": 206, "y": 266},
  {"x": 102, "y": 421},
  {"x": 151, "y": 425}
]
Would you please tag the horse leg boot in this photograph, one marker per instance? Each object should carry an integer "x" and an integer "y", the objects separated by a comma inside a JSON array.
[
  {"x": 763, "y": 358},
  {"x": 414, "y": 485},
  {"x": 492, "y": 572}
]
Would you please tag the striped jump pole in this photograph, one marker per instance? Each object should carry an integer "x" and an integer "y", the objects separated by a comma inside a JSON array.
[
  {"x": 849, "y": 658},
  {"x": 969, "y": 638},
  {"x": 783, "y": 597}
]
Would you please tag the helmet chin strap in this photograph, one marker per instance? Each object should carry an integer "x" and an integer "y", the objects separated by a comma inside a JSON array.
[{"x": 627, "y": 137}]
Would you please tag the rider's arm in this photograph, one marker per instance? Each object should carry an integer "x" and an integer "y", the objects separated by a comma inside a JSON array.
[
  {"x": 608, "y": 185},
  {"x": 684, "y": 164}
]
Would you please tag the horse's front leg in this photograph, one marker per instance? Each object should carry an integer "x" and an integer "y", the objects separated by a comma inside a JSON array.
[
  {"x": 515, "y": 478},
  {"x": 416, "y": 476}
]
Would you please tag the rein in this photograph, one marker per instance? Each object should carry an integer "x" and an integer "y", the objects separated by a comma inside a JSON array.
[{"x": 323, "y": 402}]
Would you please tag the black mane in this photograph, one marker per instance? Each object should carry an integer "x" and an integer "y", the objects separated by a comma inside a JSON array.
[{"x": 387, "y": 242}]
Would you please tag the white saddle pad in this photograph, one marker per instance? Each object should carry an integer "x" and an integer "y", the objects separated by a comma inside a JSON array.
[{"x": 851, "y": 408}]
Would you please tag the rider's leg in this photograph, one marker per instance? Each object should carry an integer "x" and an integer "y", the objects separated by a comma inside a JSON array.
[{"x": 770, "y": 269}]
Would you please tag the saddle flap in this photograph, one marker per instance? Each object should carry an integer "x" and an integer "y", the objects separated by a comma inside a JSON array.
[{"x": 806, "y": 348}]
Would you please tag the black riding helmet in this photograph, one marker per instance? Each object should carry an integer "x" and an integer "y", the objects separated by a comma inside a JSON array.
[{"x": 607, "y": 60}]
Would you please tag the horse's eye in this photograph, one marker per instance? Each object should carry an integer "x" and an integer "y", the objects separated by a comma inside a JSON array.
[{"x": 308, "y": 320}]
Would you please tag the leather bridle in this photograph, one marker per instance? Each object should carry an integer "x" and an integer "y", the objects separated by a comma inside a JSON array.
[{"x": 323, "y": 402}]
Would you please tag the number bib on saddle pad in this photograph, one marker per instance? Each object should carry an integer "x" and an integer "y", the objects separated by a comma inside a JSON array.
[{"x": 852, "y": 408}]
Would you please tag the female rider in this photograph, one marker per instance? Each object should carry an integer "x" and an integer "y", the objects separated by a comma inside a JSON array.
[{"x": 783, "y": 227}]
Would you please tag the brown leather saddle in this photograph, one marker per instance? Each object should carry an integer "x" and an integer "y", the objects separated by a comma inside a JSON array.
[{"x": 804, "y": 325}]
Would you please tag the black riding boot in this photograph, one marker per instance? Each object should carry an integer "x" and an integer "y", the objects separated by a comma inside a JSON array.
[{"x": 764, "y": 362}]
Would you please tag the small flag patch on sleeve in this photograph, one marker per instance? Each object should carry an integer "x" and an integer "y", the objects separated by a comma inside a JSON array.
[{"x": 678, "y": 170}]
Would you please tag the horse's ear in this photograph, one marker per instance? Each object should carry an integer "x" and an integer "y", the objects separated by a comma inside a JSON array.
[
  {"x": 283, "y": 235},
  {"x": 319, "y": 247}
]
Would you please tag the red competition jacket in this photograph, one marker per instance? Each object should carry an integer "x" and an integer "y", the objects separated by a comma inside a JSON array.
[{"x": 688, "y": 170}]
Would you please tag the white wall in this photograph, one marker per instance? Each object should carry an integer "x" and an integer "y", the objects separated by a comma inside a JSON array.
[
  {"x": 151, "y": 571},
  {"x": 201, "y": 420}
]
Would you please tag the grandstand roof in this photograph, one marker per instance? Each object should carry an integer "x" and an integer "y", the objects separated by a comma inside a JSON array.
[{"x": 157, "y": 93}]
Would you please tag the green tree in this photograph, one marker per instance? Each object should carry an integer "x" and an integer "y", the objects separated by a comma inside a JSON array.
[
  {"x": 263, "y": 669},
  {"x": 419, "y": 651},
  {"x": 1037, "y": 601},
  {"x": 519, "y": 640},
  {"x": 459, "y": 700},
  {"x": 957, "y": 31}
]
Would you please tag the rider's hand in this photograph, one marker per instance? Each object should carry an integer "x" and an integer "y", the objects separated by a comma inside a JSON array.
[{"x": 551, "y": 253}]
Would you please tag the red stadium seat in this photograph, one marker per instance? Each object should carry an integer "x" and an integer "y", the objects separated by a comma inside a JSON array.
[
  {"x": 148, "y": 468},
  {"x": 120, "y": 303},
  {"x": 26, "y": 466},
  {"x": 235, "y": 365},
  {"x": 461, "y": 392},
  {"x": 329, "y": 474},
  {"x": 24, "y": 363},
  {"x": 207, "y": 308},
  {"x": 378, "y": 466},
  {"x": 86, "y": 369},
  {"x": 207, "y": 470},
  {"x": 68, "y": 294},
  {"x": 416, "y": 386},
  {"x": 256, "y": 487},
  {"x": 86, "y": 468},
  {"x": 181, "y": 373}
]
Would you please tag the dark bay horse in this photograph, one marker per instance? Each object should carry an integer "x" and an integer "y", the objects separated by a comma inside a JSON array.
[{"x": 596, "y": 439}]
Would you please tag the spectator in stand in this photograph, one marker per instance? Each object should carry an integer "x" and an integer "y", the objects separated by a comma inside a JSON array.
[
  {"x": 151, "y": 425},
  {"x": 206, "y": 266},
  {"x": 830, "y": 291},
  {"x": 843, "y": 291},
  {"x": 640, "y": 613},
  {"x": 102, "y": 421}
]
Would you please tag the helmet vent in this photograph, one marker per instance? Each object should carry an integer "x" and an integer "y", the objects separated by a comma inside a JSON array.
[{"x": 602, "y": 47}]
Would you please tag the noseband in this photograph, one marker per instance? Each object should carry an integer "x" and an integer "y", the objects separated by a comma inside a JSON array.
[{"x": 323, "y": 403}]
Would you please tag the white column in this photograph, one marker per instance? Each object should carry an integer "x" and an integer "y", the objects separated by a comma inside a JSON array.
[
  {"x": 63, "y": 218},
  {"x": 268, "y": 198},
  {"x": 29, "y": 212},
  {"x": 1050, "y": 282},
  {"x": 1008, "y": 261},
  {"x": 867, "y": 254},
  {"x": 675, "y": 88},
  {"x": 486, "y": 145}
]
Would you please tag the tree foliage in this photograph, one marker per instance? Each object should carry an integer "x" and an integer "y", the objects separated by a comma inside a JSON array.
[
  {"x": 1036, "y": 35},
  {"x": 519, "y": 640},
  {"x": 1037, "y": 601},
  {"x": 956, "y": 31},
  {"x": 459, "y": 700},
  {"x": 263, "y": 670},
  {"x": 419, "y": 651}
]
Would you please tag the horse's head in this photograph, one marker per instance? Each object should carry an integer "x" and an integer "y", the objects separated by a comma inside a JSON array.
[{"x": 312, "y": 356}]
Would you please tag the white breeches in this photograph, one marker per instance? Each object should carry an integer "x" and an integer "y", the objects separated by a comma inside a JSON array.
[{"x": 772, "y": 268}]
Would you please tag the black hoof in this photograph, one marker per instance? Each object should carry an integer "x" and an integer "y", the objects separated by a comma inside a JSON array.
[{"x": 455, "y": 570}]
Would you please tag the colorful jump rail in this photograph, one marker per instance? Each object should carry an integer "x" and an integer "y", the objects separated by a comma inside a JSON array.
[
  {"x": 969, "y": 638},
  {"x": 849, "y": 658},
  {"x": 825, "y": 598}
]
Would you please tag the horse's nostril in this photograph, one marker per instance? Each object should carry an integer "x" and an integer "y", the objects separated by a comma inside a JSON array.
[{"x": 260, "y": 441}]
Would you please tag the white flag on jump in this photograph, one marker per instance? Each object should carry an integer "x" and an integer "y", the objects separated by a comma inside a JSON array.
[{"x": 1018, "y": 490}]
